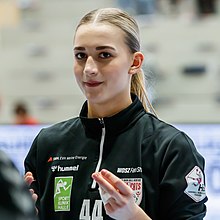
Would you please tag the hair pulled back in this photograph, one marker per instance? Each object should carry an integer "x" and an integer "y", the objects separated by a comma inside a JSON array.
[{"x": 129, "y": 26}]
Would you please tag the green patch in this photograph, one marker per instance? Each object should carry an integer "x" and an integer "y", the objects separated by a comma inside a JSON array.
[{"x": 62, "y": 193}]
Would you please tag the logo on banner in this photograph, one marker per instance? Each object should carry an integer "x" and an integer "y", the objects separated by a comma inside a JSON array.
[
  {"x": 62, "y": 193},
  {"x": 195, "y": 185},
  {"x": 136, "y": 185}
]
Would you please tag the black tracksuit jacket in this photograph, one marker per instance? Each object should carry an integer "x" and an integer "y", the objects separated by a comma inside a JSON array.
[{"x": 155, "y": 159}]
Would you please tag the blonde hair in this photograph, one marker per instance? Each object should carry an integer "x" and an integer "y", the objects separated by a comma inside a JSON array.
[{"x": 129, "y": 26}]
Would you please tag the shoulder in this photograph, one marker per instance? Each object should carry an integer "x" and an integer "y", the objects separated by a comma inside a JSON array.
[
  {"x": 63, "y": 125},
  {"x": 59, "y": 129},
  {"x": 155, "y": 126},
  {"x": 167, "y": 136}
]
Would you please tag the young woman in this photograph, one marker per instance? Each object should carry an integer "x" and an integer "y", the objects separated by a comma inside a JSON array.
[{"x": 117, "y": 160}]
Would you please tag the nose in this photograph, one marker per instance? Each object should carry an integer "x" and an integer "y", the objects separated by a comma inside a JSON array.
[{"x": 90, "y": 66}]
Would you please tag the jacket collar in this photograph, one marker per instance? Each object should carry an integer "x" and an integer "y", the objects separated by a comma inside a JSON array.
[{"x": 116, "y": 123}]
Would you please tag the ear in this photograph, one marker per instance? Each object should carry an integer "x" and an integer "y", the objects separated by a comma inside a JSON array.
[{"x": 138, "y": 59}]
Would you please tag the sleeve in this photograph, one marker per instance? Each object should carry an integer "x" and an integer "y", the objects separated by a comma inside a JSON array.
[
  {"x": 182, "y": 181},
  {"x": 16, "y": 201}
]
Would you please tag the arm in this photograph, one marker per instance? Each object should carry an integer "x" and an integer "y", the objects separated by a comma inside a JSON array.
[
  {"x": 180, "y": 196},
  {"x": 120, "y": 203}
]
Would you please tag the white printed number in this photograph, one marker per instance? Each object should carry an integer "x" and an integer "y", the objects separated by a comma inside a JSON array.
[{"x": 96, "y": 212}]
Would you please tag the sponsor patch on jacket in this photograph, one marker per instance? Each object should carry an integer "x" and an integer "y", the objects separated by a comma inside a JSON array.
[
  {"x": 62, "y": 193},
  {"x": 129, "y": 170},
  {"x": 59, "y": 168},
  {"x": 66, "y": 158},
  {"x": 195, "y": 184},
  {"x": 137, "y": 186}
]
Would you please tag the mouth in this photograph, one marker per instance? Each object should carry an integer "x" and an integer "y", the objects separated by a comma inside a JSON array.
[{"x": 92, "y": 84}]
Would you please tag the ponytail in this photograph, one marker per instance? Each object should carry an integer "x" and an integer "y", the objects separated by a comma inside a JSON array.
[{"x": 138, "y": 88}]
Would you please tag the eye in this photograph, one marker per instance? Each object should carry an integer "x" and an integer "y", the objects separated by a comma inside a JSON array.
[
  {"x": 105, "y": 55},
  {"x": 80, "y": 56}
]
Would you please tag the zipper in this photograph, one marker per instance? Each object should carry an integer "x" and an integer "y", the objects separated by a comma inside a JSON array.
[{"x": 100, "y": 151}]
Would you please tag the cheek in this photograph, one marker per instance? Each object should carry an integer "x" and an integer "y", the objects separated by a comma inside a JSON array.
[
  {"x": 114, "y": 77},
  {"x": 78, "y": 77},
  {"x": 118, "y": 81},
  {"x": 119, "y": 75},
  {"x": 75, "y": 66},
  {"x": 77, "y": 70}
]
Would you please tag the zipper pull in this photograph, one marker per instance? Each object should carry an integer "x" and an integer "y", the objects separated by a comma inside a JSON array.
[{"x": 101, "y": 120}]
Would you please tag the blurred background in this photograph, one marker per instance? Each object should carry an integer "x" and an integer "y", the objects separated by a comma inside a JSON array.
[{"x": 180, "y": 40}]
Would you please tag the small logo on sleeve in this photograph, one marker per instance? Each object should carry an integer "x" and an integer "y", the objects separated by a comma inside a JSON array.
[
  {"x": 195, "y": 184},
  {"x": 62, "y": 193}
]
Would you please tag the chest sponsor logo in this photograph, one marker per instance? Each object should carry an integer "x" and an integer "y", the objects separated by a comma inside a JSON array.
[
  {"x": 129, "y": 170},
  {"x": 137, "y": 186},
  {"x": 195, "y": 184},
  {"x": 59, "y": 168},
  {"x": 62, "y": 193},
  {"x": 64, "y": 158}
]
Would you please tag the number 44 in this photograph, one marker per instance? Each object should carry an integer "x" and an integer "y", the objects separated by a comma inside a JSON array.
[{"x": 96, "y": 212}]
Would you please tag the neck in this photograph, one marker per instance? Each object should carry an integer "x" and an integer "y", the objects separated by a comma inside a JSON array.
[{"x": 106, "y": 109}]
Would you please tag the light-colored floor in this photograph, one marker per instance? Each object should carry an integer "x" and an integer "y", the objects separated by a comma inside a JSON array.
[{"x": 36, "y": 62}]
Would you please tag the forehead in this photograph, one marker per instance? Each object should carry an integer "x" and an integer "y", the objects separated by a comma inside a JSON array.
[{"x": 99, "y": 33}]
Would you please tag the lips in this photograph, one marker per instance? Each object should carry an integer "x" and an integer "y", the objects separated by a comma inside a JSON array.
[{"x": 92, "y": 83}]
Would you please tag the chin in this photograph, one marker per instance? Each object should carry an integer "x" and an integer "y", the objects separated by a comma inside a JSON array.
[{"x": 95, "y": 99}]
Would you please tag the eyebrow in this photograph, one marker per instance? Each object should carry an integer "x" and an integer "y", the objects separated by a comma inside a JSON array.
[{"x": 97, "y": 48}]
